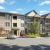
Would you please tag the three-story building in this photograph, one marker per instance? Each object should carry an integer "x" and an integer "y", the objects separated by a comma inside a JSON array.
[{"x": 17, "y": 23}]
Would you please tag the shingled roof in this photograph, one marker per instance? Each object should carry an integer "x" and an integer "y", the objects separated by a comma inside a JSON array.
[
  {"x": 36, "y": 14},
  {"x": 12, "y": 13}
]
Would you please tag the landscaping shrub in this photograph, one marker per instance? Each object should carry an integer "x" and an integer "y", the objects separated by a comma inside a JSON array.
[
  {"x": 3, "y": 35},
  {"x": 49, "y": 34},
  {"x": 44, "y": 35},
  {"x": 33, "y": 35}
]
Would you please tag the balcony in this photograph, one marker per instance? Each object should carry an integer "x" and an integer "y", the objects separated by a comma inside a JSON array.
[
  {"x": 47, "y": 28},
  {"x": 15, "y": 28}
]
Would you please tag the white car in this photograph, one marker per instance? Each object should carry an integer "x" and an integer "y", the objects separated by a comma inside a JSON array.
[{"x": 11, "y": 36}]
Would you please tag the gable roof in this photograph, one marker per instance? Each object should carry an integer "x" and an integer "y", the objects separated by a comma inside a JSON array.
[
  {"x": 46, "y": 15},
  {"x": 31, "y": 11},
  {"x": 35, "y": 14}
]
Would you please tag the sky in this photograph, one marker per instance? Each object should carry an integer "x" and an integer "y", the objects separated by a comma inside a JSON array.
[{"x": 24, "y": 6}]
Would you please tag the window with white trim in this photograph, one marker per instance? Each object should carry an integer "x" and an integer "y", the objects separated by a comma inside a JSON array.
[{"x": 7, "y": 23}]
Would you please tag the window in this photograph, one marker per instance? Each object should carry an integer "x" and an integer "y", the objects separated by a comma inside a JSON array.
[
  {"x": 14, "y": 17},
  {"x": 7, "y": 23},
  {"x": 22, "y": 18},
  {"x": 7, "y": 16},
  {"x": 29, "y": 19},
  {"x": 22, "y": 24},
  {"x": 14, "y": 24}
]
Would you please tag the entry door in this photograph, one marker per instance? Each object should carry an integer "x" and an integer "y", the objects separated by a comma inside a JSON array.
[{"x": 15, "y": 32}]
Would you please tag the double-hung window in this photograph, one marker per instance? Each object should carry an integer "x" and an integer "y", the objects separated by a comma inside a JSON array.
[{"x": 7, "y": 23}]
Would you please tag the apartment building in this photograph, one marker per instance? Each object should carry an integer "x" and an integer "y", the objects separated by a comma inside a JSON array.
[
  {"x": 17, "y": 23},
  {"x": 12, "y": 23},
  {"x": 45, "y": 21}
]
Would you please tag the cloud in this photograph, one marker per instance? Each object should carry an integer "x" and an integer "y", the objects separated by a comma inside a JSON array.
[
  {"x": 13, "y": 11},
  {"x": 12, "y": 2},
  {"x": 19, "y": 9},
  {"x": 45, "y": 2},
  {"x": 43, "y": 12},
  {"x": 2, "y": 1},
  {"x": 1, "y": 7}
]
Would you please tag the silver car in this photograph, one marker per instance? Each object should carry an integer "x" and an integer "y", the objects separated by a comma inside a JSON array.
[{"x": 11, "y": 36}]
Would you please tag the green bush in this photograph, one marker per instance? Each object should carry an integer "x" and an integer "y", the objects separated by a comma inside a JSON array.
[
  {"x": 44, "y": 35},
  {"x": 26, "y": 31},
  {"x": 49, "y": 34}
]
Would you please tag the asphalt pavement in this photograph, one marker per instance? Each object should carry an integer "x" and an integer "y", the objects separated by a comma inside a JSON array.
[{"x": 41, "y": 43}]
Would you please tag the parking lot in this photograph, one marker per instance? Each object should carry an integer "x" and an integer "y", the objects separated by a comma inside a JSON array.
[{"x": 25, "y": 44}]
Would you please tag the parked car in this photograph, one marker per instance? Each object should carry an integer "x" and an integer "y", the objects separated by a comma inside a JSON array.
[
  {"x": 23, "y": 34},
  {"x": 11, "y": 36}
]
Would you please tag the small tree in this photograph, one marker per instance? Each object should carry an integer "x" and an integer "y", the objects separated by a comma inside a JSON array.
[
  {"x": 33, "y": 28},
  {"x": 1, "y": 29}
]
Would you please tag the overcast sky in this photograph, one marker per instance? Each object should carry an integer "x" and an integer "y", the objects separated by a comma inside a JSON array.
[{"x": 24, "y": 6}]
